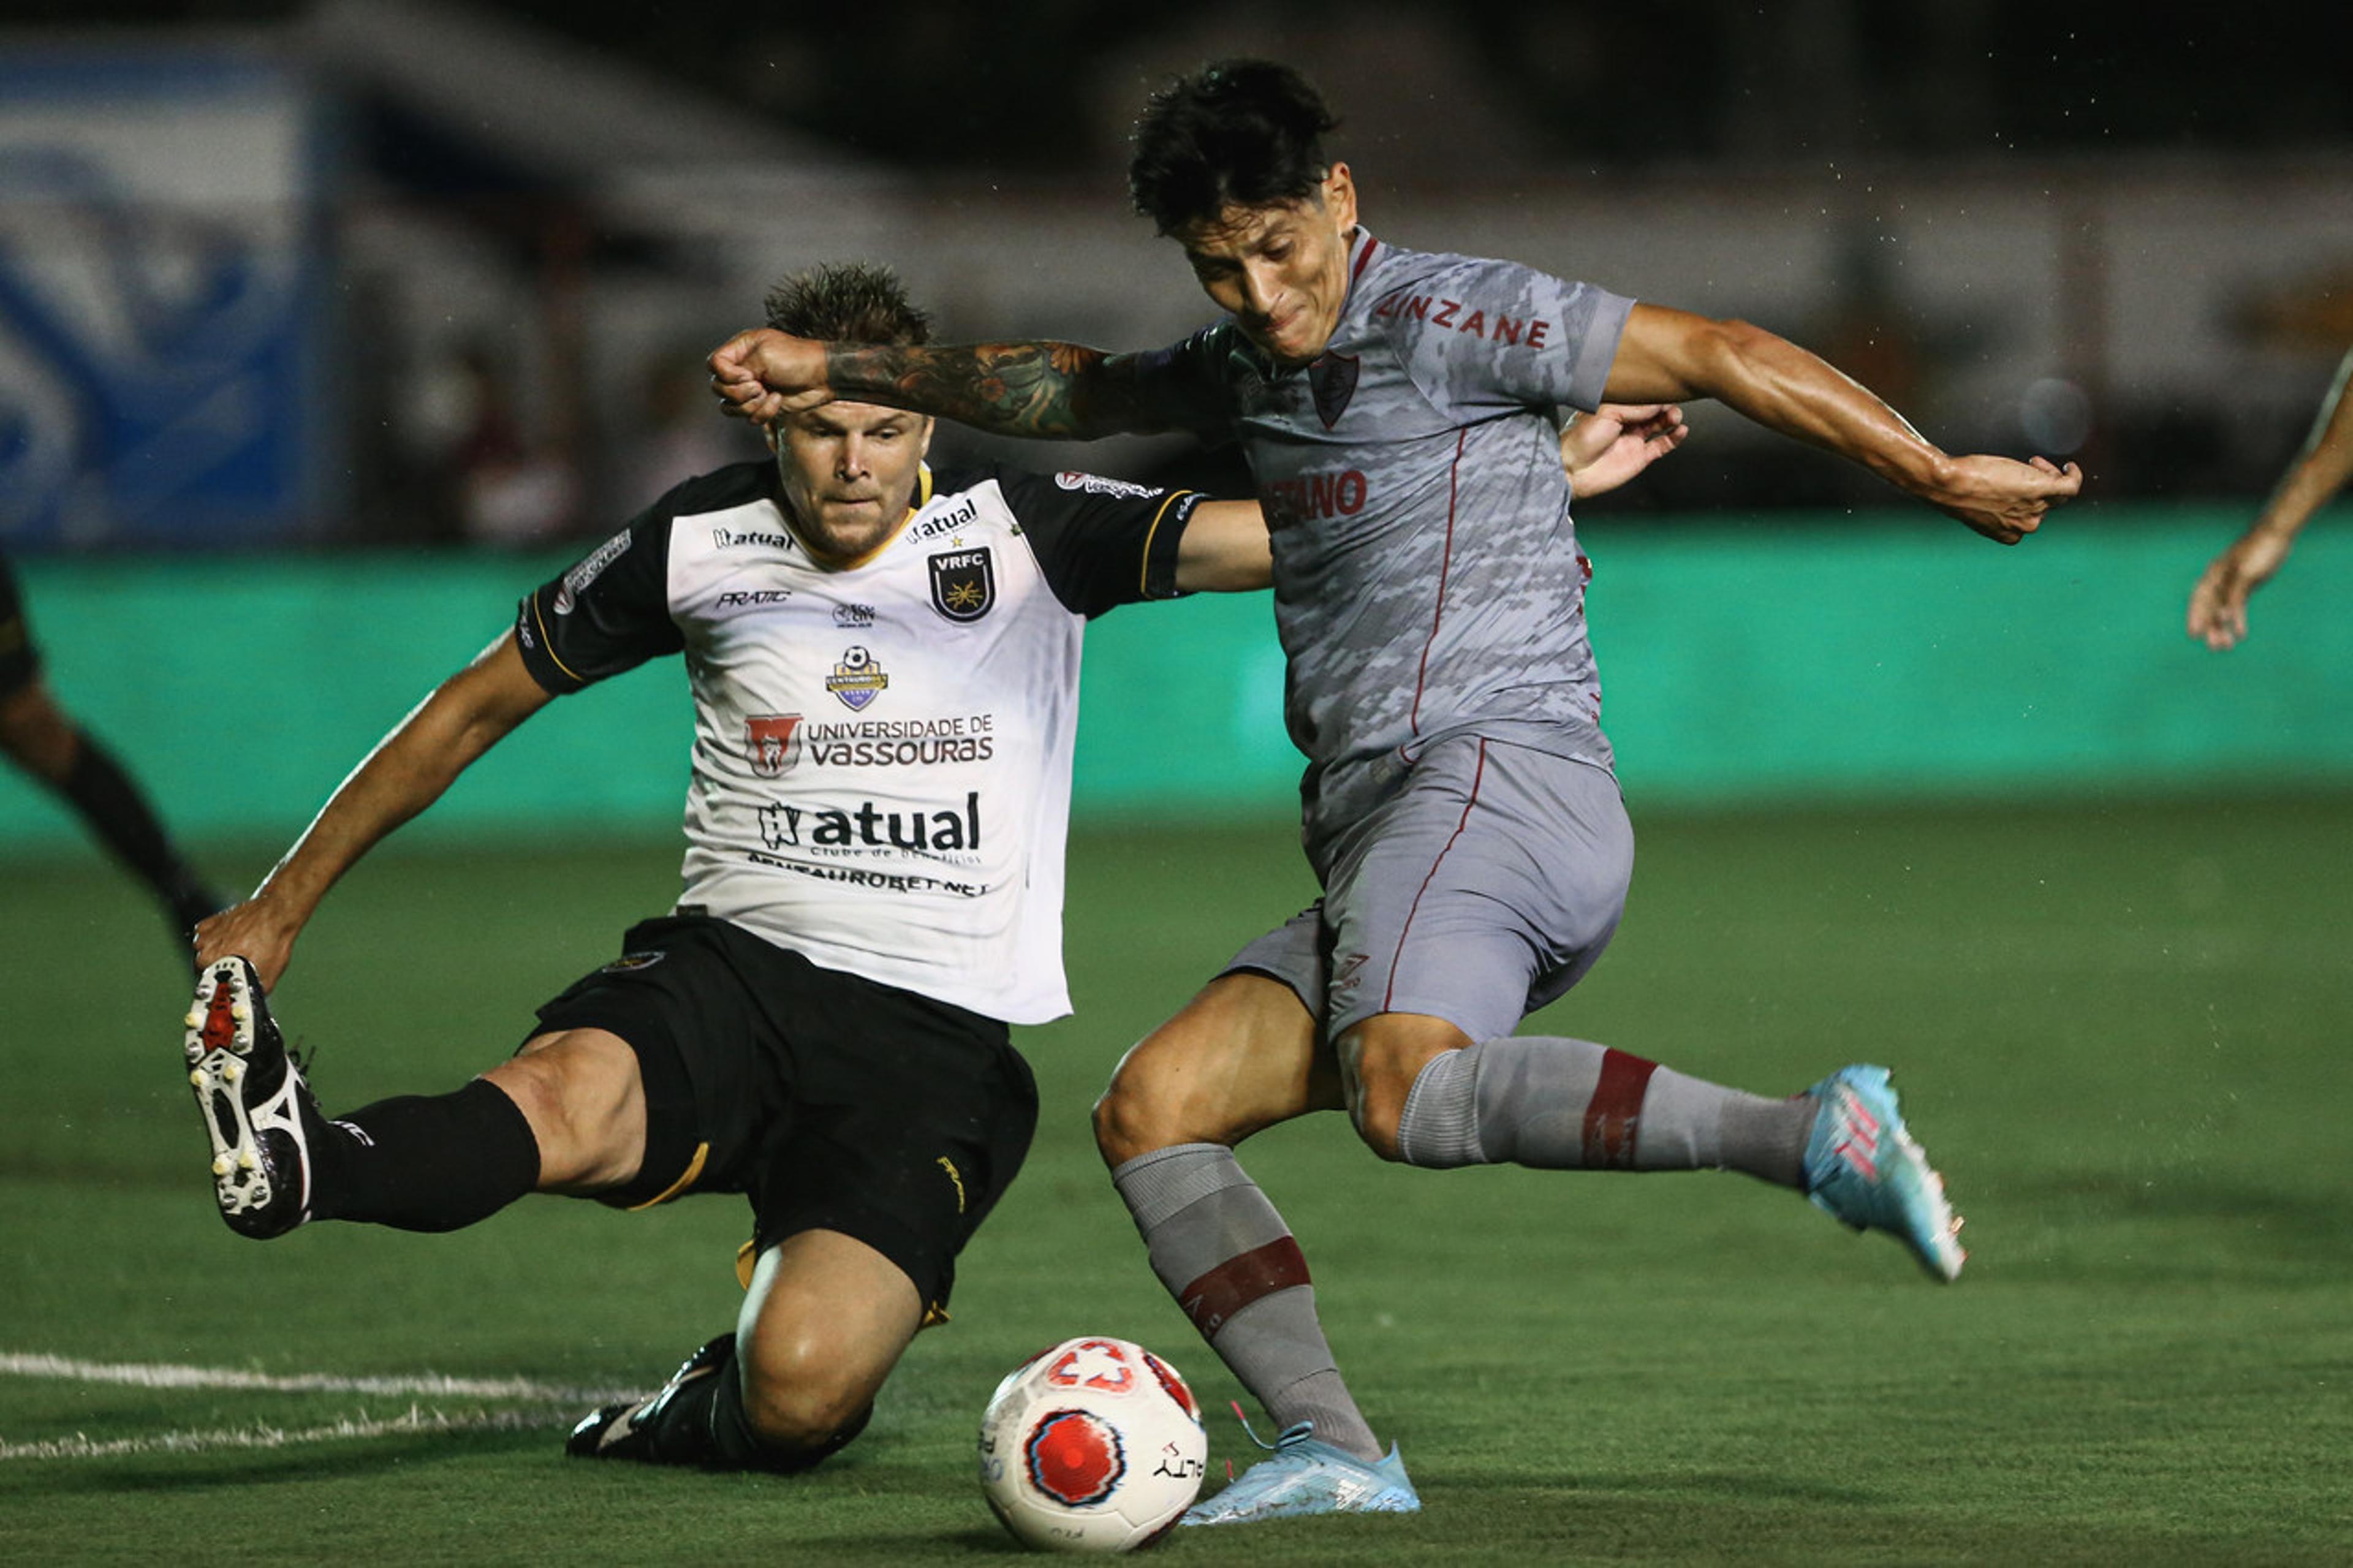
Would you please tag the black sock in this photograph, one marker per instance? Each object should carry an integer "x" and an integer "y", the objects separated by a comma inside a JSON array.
[
  {"x": 426, "y": 1162},
  {"x": 119, "y": 814}
]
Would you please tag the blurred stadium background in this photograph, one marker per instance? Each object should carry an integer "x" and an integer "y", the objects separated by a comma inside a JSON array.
[
  {"x": 302, "y": 306},
  {"x": 326, "y": 330}
]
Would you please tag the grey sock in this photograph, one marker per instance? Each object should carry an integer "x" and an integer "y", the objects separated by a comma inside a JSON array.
[
  {"x": 1563, "y": 1104},
  {"x": 1224, "y": 1253}
]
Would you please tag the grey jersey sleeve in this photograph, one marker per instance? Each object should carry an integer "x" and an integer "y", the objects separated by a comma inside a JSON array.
[{"x": 1482, "y": 337}]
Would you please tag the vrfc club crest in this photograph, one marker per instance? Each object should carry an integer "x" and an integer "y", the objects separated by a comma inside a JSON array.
[
  {"x": 858, "y": 679},
  {"x": 963, "y": 584},
  {"x": 773, "y": 743}
]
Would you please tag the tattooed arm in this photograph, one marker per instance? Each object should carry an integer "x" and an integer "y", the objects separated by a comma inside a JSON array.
[{"x": 1035, "y": 389}]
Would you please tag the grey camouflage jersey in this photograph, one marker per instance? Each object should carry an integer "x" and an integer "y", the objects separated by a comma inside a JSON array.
[{"x": 1426, "y": 577}]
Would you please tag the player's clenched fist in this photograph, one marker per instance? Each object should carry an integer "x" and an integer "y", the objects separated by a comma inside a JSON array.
[
  {"x": 763, "y": 374},
  {"x": 2002, "y": 498}
]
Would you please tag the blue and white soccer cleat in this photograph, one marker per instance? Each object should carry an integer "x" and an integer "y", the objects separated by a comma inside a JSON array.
[
  {"x": 1305, "y": 1476},
  {"x": 1864, "y": 1168},
  {"x": 257, "y": 1108}
]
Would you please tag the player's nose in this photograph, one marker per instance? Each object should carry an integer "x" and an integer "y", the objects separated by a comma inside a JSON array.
[{"x": 1260, "y": 290}]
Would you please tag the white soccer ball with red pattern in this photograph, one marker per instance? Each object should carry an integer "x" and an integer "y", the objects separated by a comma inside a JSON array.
[{"x": 1093, "y": 1445}]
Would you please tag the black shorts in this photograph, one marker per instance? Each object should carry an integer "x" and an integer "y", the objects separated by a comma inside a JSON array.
[
  {"x": 835, "y": 1102},
  {"x": 20, "y": 661}
]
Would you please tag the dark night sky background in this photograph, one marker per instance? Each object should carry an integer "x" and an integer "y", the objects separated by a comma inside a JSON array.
[{"x": 1703, "y": 80}]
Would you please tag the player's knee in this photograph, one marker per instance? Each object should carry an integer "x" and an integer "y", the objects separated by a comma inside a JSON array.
[
  {"x": 1152, "y": 1102},
  {"x": 1379, "y": 1060},
  {"x": 1131, "y": 1117},
  {"x": 799, "y": 1405}
]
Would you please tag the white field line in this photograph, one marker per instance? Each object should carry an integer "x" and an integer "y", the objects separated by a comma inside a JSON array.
[
  {"x": 163, "y": 1374},
  {"x": 558, "y": 1406},
  {"x": 82, "y": 1447}
]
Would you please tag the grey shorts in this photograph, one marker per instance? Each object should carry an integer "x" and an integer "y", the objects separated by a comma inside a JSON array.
[{"x": 1480, "y": 891}]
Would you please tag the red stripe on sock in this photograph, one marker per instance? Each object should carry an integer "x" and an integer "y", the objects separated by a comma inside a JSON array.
[
  {"x": 1241, "y": 1279},
  {"x": 1615, "y": 1113}
]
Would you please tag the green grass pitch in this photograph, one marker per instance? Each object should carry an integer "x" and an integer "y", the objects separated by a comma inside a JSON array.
[{"x": 2121, "y": 1031}]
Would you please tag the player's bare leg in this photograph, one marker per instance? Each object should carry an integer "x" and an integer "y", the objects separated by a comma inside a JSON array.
[
  {"x": 581, "y": 1092},
  {"x": 826, "y": 1318},
  {"x": 1241, "y": 1057}
]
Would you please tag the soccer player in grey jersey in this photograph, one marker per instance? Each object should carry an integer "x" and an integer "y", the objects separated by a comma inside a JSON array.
[{"x": 1398, "y": 411}]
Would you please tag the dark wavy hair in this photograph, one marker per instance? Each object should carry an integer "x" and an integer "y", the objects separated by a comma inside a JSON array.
[
  {"x": 848, "y": 303},
  {"x": 1240, "y": 133}
]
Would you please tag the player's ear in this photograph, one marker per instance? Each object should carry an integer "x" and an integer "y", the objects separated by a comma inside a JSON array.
[
  {"x": 923, "y": 436},
  {"x": 768, "y": 434},
  {"x": 1339, "y": 194}
]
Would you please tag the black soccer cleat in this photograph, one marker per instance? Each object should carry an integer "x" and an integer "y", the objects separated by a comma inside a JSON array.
[
  {"x": 258, "y": 1110},
  {"x": 636, "y": 1431}
]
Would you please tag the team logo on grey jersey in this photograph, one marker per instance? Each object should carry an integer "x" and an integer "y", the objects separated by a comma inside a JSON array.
[
  {"x": 1332, "y": 379},
  {"x": 963, "y": 584}
]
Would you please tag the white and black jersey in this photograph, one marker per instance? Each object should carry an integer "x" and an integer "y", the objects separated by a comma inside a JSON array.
[{"x": 881, "y": 763}]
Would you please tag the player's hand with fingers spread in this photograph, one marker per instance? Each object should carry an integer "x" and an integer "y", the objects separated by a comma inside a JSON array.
[
  {"x": 1603, "y": 449},
  {"x": 253, "y": 931},
  {"x": 2001, "y": 497},
  {"x": 2218, "y": 607},
  {"x": 763, "y": 374}
]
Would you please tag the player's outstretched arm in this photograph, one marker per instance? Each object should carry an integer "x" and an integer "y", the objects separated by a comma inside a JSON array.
[
  {"x": 1225, "y": 549},
  {"x": 2218, "y": 607},
  {"x": 1603, "y": 449},
  {"x": 1046, "y": 390},
  {"x": 407, "y": 771},
  {"x": 1671, "y": 356}
]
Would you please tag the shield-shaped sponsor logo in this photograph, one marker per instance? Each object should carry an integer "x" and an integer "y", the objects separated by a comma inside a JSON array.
[
  {"x": 772, "y": 741},
  {"x": 858, "y": 679},
  {"x": 1334, "y": 381},
  {"x": 963, "y": 584}
]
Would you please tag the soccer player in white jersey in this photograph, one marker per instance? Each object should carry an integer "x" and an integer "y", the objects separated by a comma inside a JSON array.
[
  {"x": 1397, "y": 410},
  {"x": 884, "y": 662}
]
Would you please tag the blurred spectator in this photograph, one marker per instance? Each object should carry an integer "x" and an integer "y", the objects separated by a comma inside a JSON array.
[{"x": 510, "y": 491}]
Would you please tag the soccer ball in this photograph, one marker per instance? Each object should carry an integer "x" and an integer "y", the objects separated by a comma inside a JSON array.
[{"x": 1093, "y": 1445}]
